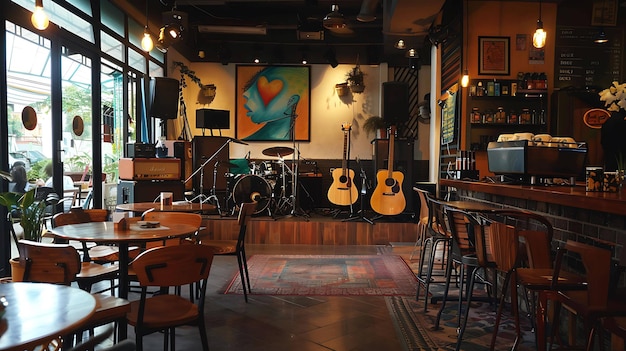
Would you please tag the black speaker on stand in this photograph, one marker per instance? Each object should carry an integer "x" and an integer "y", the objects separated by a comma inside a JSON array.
[
  {"x": 164, "y": 98},
  {"x": 395, "y": 102}
]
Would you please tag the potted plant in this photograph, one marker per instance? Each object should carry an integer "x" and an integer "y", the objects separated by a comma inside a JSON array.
[
  {"x": 376, "y": 125},
  {"x": 31, "y": 211},
  {"x": 355, "y": 79}
]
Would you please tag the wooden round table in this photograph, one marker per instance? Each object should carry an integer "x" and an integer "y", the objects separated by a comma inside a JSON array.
[
  {"x": 38, "y": 313},
  {"x": 107, "y": 232},
  {"x": 140, "y": 207}
]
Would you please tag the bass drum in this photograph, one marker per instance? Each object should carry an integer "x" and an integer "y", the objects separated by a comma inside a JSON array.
[{"x": 252, "y": 188}]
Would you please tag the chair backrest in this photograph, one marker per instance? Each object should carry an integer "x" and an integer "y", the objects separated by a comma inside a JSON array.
[
  {"x": 164, "y": 218},
  {"x": 173, "y": 265},
  {"x": 504, "y": 245},
  {"x": 246, "y": 210},
  {"x": 437, "y": 221},
  {"x": 77, "y": 215},
  {"x": 423, "y": 203},
  {"x": 597, "y": 264},
  {"x": 537, "y": 233},
  {"x": 49, "y": 263},
  {"x": 465, "y": 230}
]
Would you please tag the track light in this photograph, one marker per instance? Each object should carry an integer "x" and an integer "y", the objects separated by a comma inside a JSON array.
[
  {"x": 400, "y": 45},
  {"x": 539, "y": 38},
  {"x": 331, "y": 57},
  {"x": 39, "y": 18},
  {"x": 601, "y": 38},
  {"x": 334, "y": 19}
]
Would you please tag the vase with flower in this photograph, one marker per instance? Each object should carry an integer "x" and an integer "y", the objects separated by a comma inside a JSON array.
[{"x": 614, "y": 128}]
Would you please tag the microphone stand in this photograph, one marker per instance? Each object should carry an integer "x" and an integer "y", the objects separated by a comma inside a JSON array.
[{"x": 200, "y": 169}]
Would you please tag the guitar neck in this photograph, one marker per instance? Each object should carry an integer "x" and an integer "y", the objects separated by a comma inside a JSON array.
[
  {"x": 344, "y": 163},
  {"x": 391, "y": 153}
]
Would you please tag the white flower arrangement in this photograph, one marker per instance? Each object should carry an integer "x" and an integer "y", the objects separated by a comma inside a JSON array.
[{"x": 614, "y": 97}]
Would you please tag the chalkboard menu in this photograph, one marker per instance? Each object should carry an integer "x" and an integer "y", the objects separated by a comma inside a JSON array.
[
  {"x": 448, "y": 118},
  {"x": 580, "y": 63}
]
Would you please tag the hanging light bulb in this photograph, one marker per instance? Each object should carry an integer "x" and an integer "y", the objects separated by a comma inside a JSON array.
[
  {"x": 39, "y": 19},
  {"x": 539, "y": 38},
  {"x": 465, "y": 79},
  {"x": 601, "y": 38},
  {"x": 146, "y": 42}
]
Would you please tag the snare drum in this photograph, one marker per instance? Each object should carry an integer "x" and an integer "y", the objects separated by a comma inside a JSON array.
[{"x": 252, "y": 188}]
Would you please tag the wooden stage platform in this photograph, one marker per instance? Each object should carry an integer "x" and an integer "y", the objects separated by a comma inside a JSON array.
[{"x": 317, "y": 230}]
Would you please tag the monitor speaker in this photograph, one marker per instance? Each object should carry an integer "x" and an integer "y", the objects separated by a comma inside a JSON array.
[
  {"x": 395, "y": 102},
  {"x": 207, "y": 118},
  {"x": 164, "y": 98}
]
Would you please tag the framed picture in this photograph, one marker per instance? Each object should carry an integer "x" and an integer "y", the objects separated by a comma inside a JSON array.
[
  {"x": 493, "y": 55},
  {"x": 273, "y": 103},
  {"x": 604, "y": 13}
]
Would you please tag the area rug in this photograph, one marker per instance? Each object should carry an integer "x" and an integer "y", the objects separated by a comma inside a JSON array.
[
  {"x": 416, "y": 327},
  {"x": 327, "y": 275}
]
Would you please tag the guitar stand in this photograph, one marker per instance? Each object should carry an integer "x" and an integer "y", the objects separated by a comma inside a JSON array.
[{"x": 361, "y": 217}]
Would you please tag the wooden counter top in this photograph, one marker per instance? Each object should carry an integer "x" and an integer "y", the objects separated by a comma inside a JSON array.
[{"x": 573, "y": 196}]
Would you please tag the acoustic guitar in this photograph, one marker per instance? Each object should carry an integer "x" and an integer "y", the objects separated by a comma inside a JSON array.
[
  {"x": 342, "y": 191},
  {"x": 388, "y": 198}
]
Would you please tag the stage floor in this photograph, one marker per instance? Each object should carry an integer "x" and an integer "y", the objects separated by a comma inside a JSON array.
[{"x": 318, "y": 227}]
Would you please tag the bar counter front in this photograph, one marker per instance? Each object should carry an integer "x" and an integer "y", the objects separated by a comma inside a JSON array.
[{"x": 574, "y": 213}]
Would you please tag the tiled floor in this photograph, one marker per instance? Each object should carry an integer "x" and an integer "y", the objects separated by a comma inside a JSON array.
[{"x": 287, "y": 323}]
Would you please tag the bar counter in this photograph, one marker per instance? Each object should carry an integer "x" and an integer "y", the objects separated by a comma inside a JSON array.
[
  {"x": 573, "y": 212},
  {"x": 573, "y": 196}
]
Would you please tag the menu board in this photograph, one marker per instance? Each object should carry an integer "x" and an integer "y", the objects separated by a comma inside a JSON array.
[
  {"x": 580, "y": 63},
  {"x": 448, "y": 118}
]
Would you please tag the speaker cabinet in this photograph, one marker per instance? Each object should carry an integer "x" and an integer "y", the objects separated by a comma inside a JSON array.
[
  {"x": 129, "y": 191},
  {"x": 207, "y": 118},
  {"x": 164, "y": 98},
  {"x": 402, "y": 161},
  {"x": 395, "y": 102},
  {"x": 203, "y": 147},
  {"x": 181, "y": 149}
]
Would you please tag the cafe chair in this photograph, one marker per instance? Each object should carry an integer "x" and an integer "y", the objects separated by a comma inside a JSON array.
[
  {"x": 91, "y": 343},
  {"x": 164, "y": 218},
  {"x": 470, "y": 251},
  {"x": 60, "y": 264},
  {"x": 167, "y": 267},
  {"x": 593, "y": 303},
  {"x": 437, "y": 232},
  {"x": 237, "y": 247}
]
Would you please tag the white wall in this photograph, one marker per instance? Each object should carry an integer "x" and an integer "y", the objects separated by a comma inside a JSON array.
[{"x": 328, "y": 111}]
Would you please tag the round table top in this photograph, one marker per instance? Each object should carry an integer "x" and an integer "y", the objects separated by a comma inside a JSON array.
[
  {"x": 107, "y": 232},
  {"x": 176, "y": 207},
  {"x": 39, "y": 312}
]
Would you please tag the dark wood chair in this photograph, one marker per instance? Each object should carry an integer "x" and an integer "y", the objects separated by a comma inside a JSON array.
[
  {"x": 60, "y": 264},
  {"x": 237, "y": 247},
  {"x": 169, "y": 267},
  {"x": 422, "y": 220}
]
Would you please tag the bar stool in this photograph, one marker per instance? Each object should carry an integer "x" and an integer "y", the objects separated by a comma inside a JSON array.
[
  {"x": 438, "y": 234},
  {"x": 422, "y": 220}
]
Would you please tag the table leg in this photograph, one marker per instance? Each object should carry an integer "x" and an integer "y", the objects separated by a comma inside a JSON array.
[{"x": 123, "y": 285}]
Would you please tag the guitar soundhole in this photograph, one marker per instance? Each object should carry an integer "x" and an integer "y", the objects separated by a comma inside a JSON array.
[
  {"x": 343, "y": 179},
  {"x": 390, "y": 182}
]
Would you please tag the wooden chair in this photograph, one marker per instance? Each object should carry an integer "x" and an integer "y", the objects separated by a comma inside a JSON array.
[
  {"x": 164, "y": 218},
  {"x": 237, "y": 247},
  {"x": 422, "y": 220},
  {"x": 593, "y": 303},
  {"x": 60, "y": 264},
  {"x": 164, "y": 267}
]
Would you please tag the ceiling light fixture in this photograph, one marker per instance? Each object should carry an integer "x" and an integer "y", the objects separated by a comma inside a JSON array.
[
  {"x": 146, "y": 42},
  {"x": 400, "y": 45},
  {"x": 539, "y": 38},
  {"x": 413, "y": 58},
  {"x": 39, "y": 19},
  {"x": 334, "y": 19},
  {"x": 465, "y": 77}
]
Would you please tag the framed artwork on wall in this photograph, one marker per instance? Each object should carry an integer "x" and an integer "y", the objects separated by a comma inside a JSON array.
[
  {"x": 493, "y": 55},
  {"x": 273, "y": 103}
]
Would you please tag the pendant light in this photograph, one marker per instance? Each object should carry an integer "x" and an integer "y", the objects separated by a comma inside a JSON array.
[
  {"x": 465, "y": 77},
  {"x": 146, "y": 42},
  {"x": 334, "y": 19},
  {"x": 39, "y": 19},
  {"x": 539, "y": 38}
]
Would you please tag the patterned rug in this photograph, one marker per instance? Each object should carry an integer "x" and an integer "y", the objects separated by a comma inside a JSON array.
[
  {"x": 327, "y": 275},
  {"x": 416, "y": 327}
]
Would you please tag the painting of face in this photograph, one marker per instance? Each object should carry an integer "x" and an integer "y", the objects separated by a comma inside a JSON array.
[{"x": 273, "y": 103}]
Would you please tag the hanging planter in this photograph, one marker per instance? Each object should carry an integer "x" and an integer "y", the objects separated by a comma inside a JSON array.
[
  {"x": 355, "y": 79},
  {"x": 342, "y": 89}
]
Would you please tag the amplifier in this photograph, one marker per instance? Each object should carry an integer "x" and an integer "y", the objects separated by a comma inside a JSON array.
[
  {"x": 137, "y": 150},
  {"x": 149, "y": 169},
  {"x": 147, "y": 190}
]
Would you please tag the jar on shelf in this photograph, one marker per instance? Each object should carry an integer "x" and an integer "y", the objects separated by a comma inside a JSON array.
[
  {"x": 480, "y": 90},
  {"x": 513, "y": 117},
  {"x": 525, "y": 117},
  {"x": 475, "y": 116},
  {"x": 489, "y": 116},
  {"x": 500, "y": 115}
]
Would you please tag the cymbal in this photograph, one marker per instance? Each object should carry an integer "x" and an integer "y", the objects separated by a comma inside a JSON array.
[
  {"x": 278, "y": 151},
  {"x": 238, "y": 141},
  {"x": 226, "y": 164}
]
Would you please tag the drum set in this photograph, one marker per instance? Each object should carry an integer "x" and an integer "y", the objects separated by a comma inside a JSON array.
[{"x": 269, "y": 183}]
